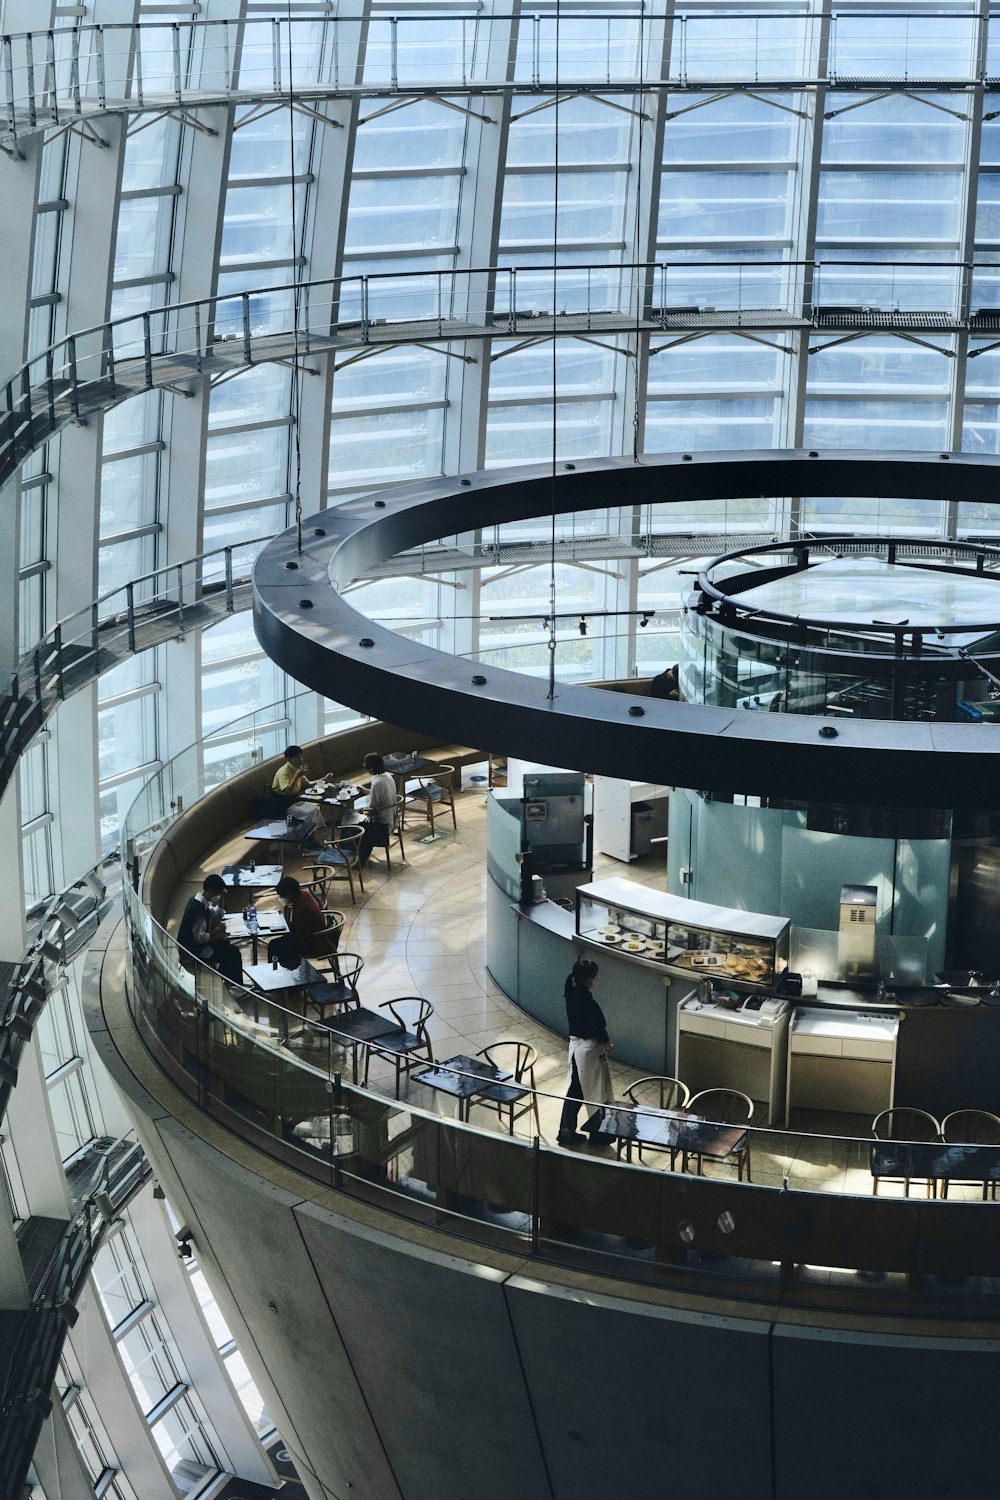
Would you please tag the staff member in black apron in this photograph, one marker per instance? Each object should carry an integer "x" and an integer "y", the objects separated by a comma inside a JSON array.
[{"x": 589, "y": 1074}]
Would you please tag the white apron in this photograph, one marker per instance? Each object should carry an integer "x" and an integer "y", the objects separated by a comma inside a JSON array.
[{"x": 591, "y": 1069}]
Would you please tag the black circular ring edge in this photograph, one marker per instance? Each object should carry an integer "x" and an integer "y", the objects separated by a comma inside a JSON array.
[{"x": 773, "y": 755}]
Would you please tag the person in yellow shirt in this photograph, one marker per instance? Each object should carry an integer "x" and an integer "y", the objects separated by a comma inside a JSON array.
[{"x": 290, "y": 780}]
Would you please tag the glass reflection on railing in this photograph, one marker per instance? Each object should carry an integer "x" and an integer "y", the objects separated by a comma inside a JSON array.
[
  {"x": 288, "y": 1084},
  {"x": 281, "y": 1082}
]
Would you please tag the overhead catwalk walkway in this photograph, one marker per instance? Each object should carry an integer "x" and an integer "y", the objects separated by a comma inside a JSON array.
[
  {"x": 168, "y": 347},
  {"x": 75, "y": 75}
]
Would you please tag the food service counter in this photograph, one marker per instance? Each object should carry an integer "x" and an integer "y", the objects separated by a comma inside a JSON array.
[
  {"x": 644, "y": 977},
  {"x": 943, "y": 1058}
]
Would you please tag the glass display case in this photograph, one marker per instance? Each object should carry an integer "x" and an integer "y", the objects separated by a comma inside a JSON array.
[{"x": 712, "y": 942}]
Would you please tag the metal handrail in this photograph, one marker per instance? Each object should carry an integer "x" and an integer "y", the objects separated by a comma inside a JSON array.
[
  {"x": 506, "y": 1161},
  {"x": 458, "y": 275},
  {"x": 55, "y": 76},
  {"x": 65, "y": 925},
  {"x": 34, "y": 1356},
  {"x": 59, "y": 637},
  {"x": 47, "y": 672},
  {"x": 97, "y": 367}
]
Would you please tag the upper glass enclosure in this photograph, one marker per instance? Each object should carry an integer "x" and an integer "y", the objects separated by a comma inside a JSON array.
[{"x": 890, "y": 630}]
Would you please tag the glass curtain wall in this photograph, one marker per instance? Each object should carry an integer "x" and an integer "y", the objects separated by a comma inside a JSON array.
[{"x": 744, "y": 201}]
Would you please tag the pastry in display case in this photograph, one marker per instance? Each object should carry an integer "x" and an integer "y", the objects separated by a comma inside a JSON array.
[
  {"x": 618, "y": 926},
  {"x": 712, "y": 942}
]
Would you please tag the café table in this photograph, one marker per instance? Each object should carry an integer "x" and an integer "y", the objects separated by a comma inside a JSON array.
[
  {"x": 279, "y": 980},
  {"x": 268, "y": 924},
  {"x": 276, "y": 831},
  {"x": 357, "y": 1027},
  {"x": 462, "y": 1077},
  {"x": 258, "y": 878},
  {"x": 937, "y": 1161},
  {"x": 337, "y": 799},
  {"x": 670, "y": 1130},
  {"x": 402, "y": 766}
]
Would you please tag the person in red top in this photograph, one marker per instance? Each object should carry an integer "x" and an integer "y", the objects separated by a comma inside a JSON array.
[{"x": 306, "y": 919}]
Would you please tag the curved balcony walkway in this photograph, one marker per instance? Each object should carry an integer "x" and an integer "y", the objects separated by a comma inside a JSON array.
[
  {"x": 68, "y": 77},
  {"x": 422, "y": 931}
]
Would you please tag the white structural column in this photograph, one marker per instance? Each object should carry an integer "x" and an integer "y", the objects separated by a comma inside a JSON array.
[
  {"x": 642, "y": 199},
  {"x": 333, "y": 153},
  {"x": 95, "y": 172},
  {"x": 11, "y": 882},
  {"x": 61, "y": 1471},
  {"x": 29, "y": 1120},
  {"x": 197, "y": 239},
  {"x": 202, "y": 1362},
  {"x": 19, "y": 181},
  {"x": 73, "y": 762},
  {"x": 13, "y": 1285},
  {"x": 804, "y": 249},
  {"x": 973, "y": 104},
  {"x": 478, "y": 237},
  {"x": 115, "y": 1399}
]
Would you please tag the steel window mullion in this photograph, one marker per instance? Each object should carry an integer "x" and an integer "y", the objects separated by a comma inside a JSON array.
[
  {"x": 152, "y": 529},
  {"x": 159, "y": 1411},
  {"x": 122, "y": 778},
  {"x": 104, "y": 1481},
  {"x": 156, "y": 446},
  {"x": 64, "y": 1071},
  {"x": 148, "y": 689},
  {"x": 134, "y": 195},
  {"x": 132, "y": 1320}
]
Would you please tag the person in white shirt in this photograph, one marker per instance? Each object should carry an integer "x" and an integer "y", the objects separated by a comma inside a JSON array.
[{"x": 381, "y": 807}]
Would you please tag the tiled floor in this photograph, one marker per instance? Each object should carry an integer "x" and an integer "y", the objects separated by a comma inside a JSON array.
[{"x": 422, "y": 931}]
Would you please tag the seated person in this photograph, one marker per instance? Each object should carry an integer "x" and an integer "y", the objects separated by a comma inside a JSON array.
[
  {"x": 666, "y": 684},
  {"x": 306, "y": 919},
  {"x": 290, "y": 781},
  {"x": 381, "y": 812},
  {"x": 201, "y": 936}
]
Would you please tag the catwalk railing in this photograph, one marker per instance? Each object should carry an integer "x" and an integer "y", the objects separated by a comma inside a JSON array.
[
  {"x": 147, "y": 610},
  {"x": 32, "y": 1358},
  {"x": 112, "y": 1173},
  {"x": 278, "y": 1079},
  {"x": 94, "y": 368},
  {"x": 55, "y": 77}
]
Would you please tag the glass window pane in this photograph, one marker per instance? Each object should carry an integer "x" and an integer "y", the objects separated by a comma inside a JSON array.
[
  {"x": 128, "y": 493},
  {"x": 71, "y": 1115},
  {"x": 145, "y": 226},
  {"x": 242, "y": 466}
]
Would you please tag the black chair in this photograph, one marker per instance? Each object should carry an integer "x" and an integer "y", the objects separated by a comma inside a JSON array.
[
  {"x": 384, "y": 834},
  {"x": 341, "y": 989},
  {"x": 722, "y": 1107},
  {"x": 905, "y": 1123},
  {"x": 512, "y": 1099},
  {"x": 407, "y": 1048}
]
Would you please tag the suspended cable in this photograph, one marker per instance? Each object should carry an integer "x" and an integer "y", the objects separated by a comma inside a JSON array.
[
  {"x": 639, "y": 289},
  {"x": 298, "y": 251},
  {"x": 555, "y": 366}
]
